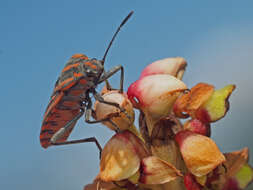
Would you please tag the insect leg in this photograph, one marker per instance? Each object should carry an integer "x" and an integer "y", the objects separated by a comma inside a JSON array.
[
  {"x": 111, "y": 72},
  {"x": 59, "y": 134},
  {"x": 108, "y": 86},
  {"x": 99, "y": 98},
  {"x": 88, "y": 115},
  {"x": 91, "y": 139}
]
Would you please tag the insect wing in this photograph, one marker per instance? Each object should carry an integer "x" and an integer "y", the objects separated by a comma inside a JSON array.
[{"x": 55, "y": 118}]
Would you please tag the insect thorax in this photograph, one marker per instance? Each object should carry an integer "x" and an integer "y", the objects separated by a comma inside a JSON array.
[{"x": 81, "y": 67}]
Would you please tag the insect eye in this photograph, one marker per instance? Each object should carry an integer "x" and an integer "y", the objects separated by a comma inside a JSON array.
[{"x": 91, "y": 72}]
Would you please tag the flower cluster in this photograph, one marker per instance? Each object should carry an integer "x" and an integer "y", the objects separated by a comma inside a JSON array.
[{"x": 168, "y": 152}]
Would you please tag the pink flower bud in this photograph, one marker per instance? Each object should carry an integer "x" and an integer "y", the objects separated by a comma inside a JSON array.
[
  {"x": 174, "y": 66},
  {"x": 199, "y": 127},
  {"x": 155, "y": 94}
]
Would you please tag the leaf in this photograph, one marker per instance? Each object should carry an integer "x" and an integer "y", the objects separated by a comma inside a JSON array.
[{"x": 216, "y": 106}]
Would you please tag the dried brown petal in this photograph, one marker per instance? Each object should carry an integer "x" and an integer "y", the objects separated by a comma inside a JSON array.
[
  {"x": 235, "y": 160},
  {"x": 163, "y": 144},
  {"x": 235, "y": 173},
  {"x": 191, "y": 101},
  {"x": 200, "y": 153},
  {"x": 157, "y": 171},
  {"x": 101, "y": 185},
  {"x": 121, "y": 157}
]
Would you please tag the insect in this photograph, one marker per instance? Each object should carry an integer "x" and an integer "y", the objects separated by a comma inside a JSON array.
[{"x": 71, "y": 98}]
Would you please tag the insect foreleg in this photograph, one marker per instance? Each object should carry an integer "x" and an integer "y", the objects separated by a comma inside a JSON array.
[
  {"x": 91, "y": 139},
  {"x": 111, "y": 72},
  {"x": 99, "y": 98},
  {"x": 88, "y": 115},
  {"x": 60, "y": 133}
]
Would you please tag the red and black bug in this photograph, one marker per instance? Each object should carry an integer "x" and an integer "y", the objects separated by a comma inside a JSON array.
[{"x": 71, "y": 97}]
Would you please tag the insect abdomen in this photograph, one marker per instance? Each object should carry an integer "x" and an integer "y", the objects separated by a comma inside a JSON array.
[{"x": 60, "y": 111}]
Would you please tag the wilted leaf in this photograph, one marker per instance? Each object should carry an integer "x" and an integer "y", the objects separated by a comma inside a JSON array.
[
  {"x": 235, "y": 160},
  {"x": 239, "y": 174},
  {"x": 244, "y": 176},
  {"x": 216, "y": 106}
]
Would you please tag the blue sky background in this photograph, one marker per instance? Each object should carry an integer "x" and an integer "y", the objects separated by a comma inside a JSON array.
[{"x": 38, "y": 37}]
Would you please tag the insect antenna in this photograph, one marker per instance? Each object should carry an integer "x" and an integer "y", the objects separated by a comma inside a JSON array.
[{"x": 115, "y": 34}]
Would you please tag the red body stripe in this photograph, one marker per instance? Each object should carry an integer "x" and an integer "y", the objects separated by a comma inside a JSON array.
[
  {"x": 80, "y": 56},
  {"x": 70, "y": 66},
  {"x": 55, "y": 117},
  {"x": 77, "y": 75},
  {"x": 60, "y": 86},
  {"x": 90, "y": 64},
  {"x": 54, "y": 101}
]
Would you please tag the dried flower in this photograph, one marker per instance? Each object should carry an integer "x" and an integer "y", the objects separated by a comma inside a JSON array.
[
  {"x": 165, "y": 153},
  {"x": 126, "y": 158},
  {"x": 200, "y": 153},
  {"x": 103, "y": 111}
]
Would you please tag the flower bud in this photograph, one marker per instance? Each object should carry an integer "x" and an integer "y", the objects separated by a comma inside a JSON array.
[
  {"x": 107, "y": 111},
  {"x": 174, "y": 66},
  {"x": 197, "y": 126},
  {"x": 155, "y": 94}
]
